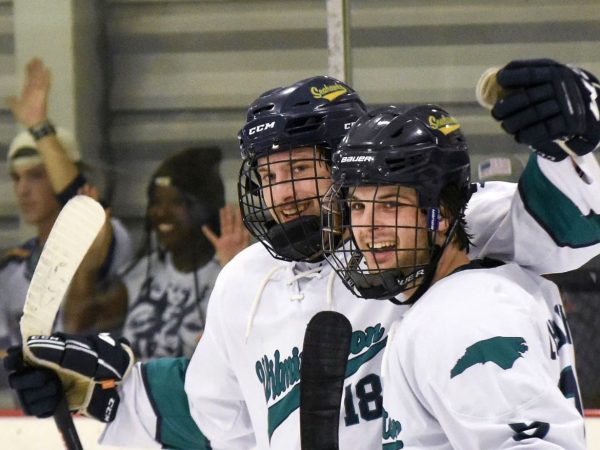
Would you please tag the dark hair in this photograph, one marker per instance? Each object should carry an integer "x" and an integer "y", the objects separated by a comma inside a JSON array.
[{"x": 453, "y": 201}]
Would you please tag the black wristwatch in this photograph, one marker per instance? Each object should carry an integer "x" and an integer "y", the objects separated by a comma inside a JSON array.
[{"x": 42, "y": 130}]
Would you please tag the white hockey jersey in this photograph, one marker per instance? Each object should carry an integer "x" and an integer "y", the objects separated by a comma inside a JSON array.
[
  {"x": 484, "y": 360},
  {"x": 242, "y": 383}
]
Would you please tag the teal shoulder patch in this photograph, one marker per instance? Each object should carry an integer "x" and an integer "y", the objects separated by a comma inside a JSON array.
[
  {"x": 164, "y": 380},
  {"x": 502, "y": 351}
]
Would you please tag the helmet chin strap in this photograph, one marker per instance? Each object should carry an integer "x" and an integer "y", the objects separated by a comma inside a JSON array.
[{"x": 436, "y": 254}]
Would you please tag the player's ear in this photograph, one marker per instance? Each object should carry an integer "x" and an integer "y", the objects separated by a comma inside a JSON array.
[{"x": 445, "y": 219}]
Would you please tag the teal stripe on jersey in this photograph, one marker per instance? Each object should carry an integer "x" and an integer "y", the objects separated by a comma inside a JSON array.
[
  {"x": 164, "y": 381},
  {"x": 283, "y": 408},
  {"x": 555, "y": 212},
  {"x": 355, "y": 363}
]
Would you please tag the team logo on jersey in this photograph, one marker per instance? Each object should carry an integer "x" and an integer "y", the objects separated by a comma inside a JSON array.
[
  {"x": 500, "y": 350},
  {"x": 329, "y": 92},
  {"x": 277, "y": 375},
  {"x": 391, "y": 431},
  {"x": 445, "y": 125},
  {"x": 280, "y": 376}
]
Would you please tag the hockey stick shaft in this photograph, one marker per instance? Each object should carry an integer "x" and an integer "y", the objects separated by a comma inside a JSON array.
[{"x": 66, "y": 427}]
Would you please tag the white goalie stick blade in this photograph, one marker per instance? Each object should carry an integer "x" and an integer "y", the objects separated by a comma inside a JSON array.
[
  {"x": 322, "y": 373},
  {"x": 74, "y": 231}
]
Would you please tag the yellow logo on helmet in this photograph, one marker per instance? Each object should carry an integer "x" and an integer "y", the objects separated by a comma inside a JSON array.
[
  {"x": 330, "y": 92},
  {"x": 446, "y": 125}
]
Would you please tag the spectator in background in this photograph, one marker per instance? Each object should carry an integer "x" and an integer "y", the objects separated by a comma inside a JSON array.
[
  {"x": 45, "y": 166},
  {"x": 164, "y": 294}
]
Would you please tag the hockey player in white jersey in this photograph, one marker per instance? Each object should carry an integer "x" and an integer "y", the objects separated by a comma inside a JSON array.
[
  {"x": 241, "y": 387},
  {"x": 484, "y": 358}
]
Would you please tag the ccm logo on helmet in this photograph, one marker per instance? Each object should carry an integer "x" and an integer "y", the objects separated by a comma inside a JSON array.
[
  {"x": 261, "y": 127},
  {"x": 363, "y": 158}
]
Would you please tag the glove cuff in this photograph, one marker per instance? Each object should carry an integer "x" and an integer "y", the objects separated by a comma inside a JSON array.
[
  {"x": 555, "y": 155},
  {"x": 102, "y": 403}
]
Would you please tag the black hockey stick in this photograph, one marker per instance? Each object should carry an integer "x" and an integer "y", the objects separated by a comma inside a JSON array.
[
  {"x": 64, "y": 423},
  {"x": 322, "y": 374}
]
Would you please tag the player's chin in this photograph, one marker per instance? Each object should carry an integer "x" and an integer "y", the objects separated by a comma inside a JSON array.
[{"x": 381, "y": 260}]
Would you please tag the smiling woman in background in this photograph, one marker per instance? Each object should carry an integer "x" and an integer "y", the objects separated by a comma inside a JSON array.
[{"x": 164, "y": 293}]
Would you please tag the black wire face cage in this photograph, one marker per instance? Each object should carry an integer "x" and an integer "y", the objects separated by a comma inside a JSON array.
[
  {"x": 388, "y": 242},
  {"x": 280, "y": 199}
]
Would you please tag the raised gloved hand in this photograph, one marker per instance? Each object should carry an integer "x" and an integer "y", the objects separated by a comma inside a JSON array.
[
  {"x": 552, "y": 107},
  {"x": 87, "y": 369}
]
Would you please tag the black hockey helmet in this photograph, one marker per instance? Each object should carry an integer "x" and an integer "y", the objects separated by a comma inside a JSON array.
[
  {"x": 317, "y": 111},
  {"x": 312, "y": 113},
  {"x": 420, "y": 147}
]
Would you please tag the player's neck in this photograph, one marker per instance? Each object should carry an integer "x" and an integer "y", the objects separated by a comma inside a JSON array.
[{"x": 451, "y": 259}]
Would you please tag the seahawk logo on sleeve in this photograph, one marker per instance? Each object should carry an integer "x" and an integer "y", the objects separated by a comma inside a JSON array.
[{"x": 500, "y": 350}]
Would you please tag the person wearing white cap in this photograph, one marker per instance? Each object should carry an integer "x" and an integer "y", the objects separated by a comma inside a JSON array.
[{"x": 44, "y": 163}]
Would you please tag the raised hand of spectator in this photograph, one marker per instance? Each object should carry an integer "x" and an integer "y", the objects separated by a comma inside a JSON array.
[
  {"x": 234, "y": 235},
  {"x": 30, "y": 108}
]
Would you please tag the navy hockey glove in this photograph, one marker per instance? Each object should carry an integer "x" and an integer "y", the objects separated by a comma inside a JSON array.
[
  {"x": 89, "y": 367},
  {"x": 552, "y": 107}
]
